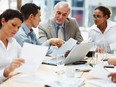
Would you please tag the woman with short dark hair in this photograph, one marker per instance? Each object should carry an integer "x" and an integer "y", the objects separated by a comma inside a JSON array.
[
  {"x": 10, "y": 21},
  {"x": 103, "y": 32}
]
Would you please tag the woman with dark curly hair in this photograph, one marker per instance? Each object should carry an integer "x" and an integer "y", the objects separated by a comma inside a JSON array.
[{"x": 103, "y": 32}]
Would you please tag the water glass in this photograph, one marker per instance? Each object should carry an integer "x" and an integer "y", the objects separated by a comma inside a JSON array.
[
  {"x": 60, "y": 63},
  {"x": 70, "y": 72}
]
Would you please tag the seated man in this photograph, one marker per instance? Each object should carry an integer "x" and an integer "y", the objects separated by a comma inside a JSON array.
[
  {"x": 31, "y": 13},
  {"x": 60, "y": 26}
]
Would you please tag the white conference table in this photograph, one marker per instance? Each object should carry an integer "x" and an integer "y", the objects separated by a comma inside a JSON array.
[{"x": 43, "y": 70}]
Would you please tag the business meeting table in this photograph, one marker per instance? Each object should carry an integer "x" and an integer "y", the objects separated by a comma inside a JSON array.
[{"x": 44, "y": 72}]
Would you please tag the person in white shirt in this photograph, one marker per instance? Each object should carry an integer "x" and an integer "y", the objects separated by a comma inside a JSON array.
[
  {"x": 10, "y": 21},
  {"x": 103, "y": 32}
]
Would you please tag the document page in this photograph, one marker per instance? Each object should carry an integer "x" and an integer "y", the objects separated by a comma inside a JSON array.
[
  {"x": 65, "y": 47},
  {"x": 33, "y": 56},
  {"x": 51, "y": 81},
  {"x": 99, "y": 71},
  {"x": 103, "y": 82}
]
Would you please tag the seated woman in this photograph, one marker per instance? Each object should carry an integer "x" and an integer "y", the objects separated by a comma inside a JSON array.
[
  {"x": 103, "y": 32},
  {"x": 10, "y": 21}
]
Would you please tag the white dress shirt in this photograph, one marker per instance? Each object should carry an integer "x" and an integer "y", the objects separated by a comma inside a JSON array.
[
  {"x": 7, "y": 54},
  {"x": 106, "y": 38}
]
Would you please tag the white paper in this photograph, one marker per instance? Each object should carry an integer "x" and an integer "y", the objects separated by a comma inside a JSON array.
[
  {"x": 65, "y": 47},
  {"x": 68, "y": 82},
  {"x": 51, "y": 81},
  {"x": 112, "y": 70},
  {"x": 33, "y": 78},
  {"x": 33, "y": 56},
  {"x": 99, "y": 72},
  {"x": 82, "y": 67},
  {"x": 103, "y": 82}
]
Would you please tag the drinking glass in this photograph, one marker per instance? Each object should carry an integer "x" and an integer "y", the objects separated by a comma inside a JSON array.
[
  {"x": 59, "y": 71},
  {"x": 60, "y": 63},
  {"x": 70, "y": 72},
  {"x": 102, "y": 53}
]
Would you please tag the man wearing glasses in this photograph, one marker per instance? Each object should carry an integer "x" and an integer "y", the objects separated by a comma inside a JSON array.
[
  {"x": 60, "y": 26},
  {"x": 103, "y": 32}
]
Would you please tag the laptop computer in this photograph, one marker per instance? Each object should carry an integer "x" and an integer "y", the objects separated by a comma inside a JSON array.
[{"x": 77, "y": 53}]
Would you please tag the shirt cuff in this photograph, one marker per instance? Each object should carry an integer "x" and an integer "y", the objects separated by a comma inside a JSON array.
[{"x": 46, "y": 43}]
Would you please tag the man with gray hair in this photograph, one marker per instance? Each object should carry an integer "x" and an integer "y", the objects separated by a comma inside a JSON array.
[{"x": 60, "y": 26}]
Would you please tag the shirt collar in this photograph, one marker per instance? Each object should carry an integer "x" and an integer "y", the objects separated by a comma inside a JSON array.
[
  {"x": 109, "y": 25},
  {"x": 26, "y": 29},
  {"x": 55, "y": 24},
  {"x": 10, "y": 40}
]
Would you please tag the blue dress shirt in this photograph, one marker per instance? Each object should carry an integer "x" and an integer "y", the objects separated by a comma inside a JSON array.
[{"x": 25, "y": 34}]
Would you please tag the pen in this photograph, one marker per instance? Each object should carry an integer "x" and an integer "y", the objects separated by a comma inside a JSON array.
[
  {"x": 109, "y": 66},
  {"x": 47, "y": 86},
  {"x": 91, "y": 65},
  {"x": 105, "y": 59},
  {"x": 86, "y": 70},
  {"x": 48, "y": 63}
]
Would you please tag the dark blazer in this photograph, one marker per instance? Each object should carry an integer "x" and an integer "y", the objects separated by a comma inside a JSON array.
[{"x": 47, "y": 30}]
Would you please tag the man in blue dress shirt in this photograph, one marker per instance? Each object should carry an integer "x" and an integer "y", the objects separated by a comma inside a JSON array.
[{"x": 31, "y": 13}]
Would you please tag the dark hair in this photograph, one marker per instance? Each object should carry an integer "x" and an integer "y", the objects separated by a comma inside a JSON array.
[
  {"x": 29, "y": 8},
  {"x": 105, "y": 11},
  {"x": 10, "y": 14}
]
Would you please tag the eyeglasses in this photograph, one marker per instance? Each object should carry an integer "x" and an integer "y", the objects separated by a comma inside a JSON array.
[
  {"x": 63, "y": 14},
  {"x": 97, "y": 16}
]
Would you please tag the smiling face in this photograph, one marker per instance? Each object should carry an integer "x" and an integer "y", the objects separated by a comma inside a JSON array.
[
  {"x": 99, "y": 18},
  {"x": 11, "y": 26},
  {"x": 61, "y": 13}
]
